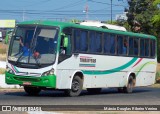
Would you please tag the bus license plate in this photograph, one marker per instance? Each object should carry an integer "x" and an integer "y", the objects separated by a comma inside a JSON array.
[{"x": 26, "y": 83}]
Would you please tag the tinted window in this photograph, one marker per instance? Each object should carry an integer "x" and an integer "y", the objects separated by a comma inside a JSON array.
[
  {"x": 152, "y": 47},
  {"x": 109, "y": 43},
  {"x": 146, "y": 47},
  {"x": 84, "y": 41},
  {"x": 77, "y": 40},
  {"x": 119, "y": 44},
  {"x": 80, "y": 40},
  {"x": 133, "y": 46},
  {"x": 136, "y": 46},
  {"x": 142, "y": 52},
  {"x": 98, "y": 42},
  {"x": 95, "y": 42}
]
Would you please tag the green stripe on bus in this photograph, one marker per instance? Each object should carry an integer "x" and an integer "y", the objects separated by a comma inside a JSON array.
[
  {"x": 139, "y": 69},
  {"x": 98, "y": 72}
]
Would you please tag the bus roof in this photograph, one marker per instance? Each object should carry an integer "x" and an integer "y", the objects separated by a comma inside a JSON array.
[
  {"x": 103, "y": 25},
  {"x": 69, "y": 24}
]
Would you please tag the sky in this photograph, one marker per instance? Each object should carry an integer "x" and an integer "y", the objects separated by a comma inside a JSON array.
[{"x": 23, "y": 10}]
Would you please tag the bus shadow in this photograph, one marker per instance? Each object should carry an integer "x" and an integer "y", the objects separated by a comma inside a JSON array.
[
  {"x": 114, "y": 91},
  {"x": 55, "y": 93}
]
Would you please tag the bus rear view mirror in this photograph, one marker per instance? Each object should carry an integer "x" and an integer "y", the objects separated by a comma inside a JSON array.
[{"x": 65, "y": 42}]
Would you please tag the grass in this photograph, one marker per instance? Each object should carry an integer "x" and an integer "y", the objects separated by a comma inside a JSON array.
[
  {"x": 158, "y": 77},
  {"x": 2, "y": 70},
  {"x": 156, "y": 85},
  {"x": 158, "y": 73},
  {"x": 3, "y": 50}
]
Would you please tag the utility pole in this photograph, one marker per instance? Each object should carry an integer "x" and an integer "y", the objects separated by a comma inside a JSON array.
[
  {"x": 111, "y": 11},
  {"x": 23, "y": 15},
  {"x": 86, "y": 10}
]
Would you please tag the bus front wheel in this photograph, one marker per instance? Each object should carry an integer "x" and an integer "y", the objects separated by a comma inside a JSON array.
[
  {"x": 32, "y": 90},
  {"x": 76, "y": 87}
]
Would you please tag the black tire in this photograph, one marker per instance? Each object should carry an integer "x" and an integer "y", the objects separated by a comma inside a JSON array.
[
  {"x": 76, "y": 87},
  {"x": 94, "y": 90},
  {"x": 130, "y": 85},
  {"x": 33, "y": 91}
]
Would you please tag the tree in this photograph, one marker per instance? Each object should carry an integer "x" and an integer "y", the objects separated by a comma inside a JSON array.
[
  {"x": 140, "y": 14},
  {"x": 156, "y": 23},
  {"x": 156, "y": 17},
  {"x": 146, "y": 15}
]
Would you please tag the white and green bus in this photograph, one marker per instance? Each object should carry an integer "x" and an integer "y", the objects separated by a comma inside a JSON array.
[{"x": 71, "y": 57}]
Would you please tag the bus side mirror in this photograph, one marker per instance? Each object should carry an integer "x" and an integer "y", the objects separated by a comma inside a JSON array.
[{"x": 65, "y": 42}]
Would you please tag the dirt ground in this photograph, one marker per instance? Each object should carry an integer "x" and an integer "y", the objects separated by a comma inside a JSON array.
[
  {"x": 3, "y": 51},
  {"x": 158, "y": 67}
]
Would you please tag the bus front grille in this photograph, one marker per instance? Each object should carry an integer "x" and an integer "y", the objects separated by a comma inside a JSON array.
[{"x": 27, "y": 79}]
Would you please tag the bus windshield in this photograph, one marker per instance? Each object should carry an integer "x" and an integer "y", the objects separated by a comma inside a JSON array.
[{"x": 33, "y": 45}]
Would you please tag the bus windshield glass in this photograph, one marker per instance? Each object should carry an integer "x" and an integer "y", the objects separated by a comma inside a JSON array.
[{"x": 33, "y": 45}]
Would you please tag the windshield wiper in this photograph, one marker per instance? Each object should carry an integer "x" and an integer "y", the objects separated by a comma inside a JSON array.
[{"x": 19, "y": 58}]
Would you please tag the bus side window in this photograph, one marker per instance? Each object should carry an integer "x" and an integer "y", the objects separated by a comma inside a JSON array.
[
  {"x": 120, "y": 45},
  {"x": 95, "y": 42},
  {"x": 68, "y": 48},
  {"x": 136, "y": 46},
  {"x": 152, "y": 48},
  {"x": 142, "y": 47},
  {"x": 92, "y": 42},
  {"x": 77, "y": 40},
  {"x": 112, "y": 43},
  {"x": 131, "y": 47},
  {"x": 146, "y": 47},
  {"x": 107, "y": 45},
  {"x": 84, "y": 41}
]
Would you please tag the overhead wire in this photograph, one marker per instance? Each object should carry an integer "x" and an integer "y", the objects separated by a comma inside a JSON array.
[{"x": 60, "y": 10}]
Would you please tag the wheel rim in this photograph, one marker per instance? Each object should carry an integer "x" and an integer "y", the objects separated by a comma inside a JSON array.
[{"x": 75, "y": 86}]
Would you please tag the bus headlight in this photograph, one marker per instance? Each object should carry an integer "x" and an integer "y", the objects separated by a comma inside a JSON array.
[
  {"x": 50, "y": 72},
  {"x": 9, "y": 70}
]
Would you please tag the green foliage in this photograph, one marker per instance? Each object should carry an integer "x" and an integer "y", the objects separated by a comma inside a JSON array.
[
  {"x": 75, "y": 21},
  {"x": 140, "y": 13},
  {"x": 113, "y": 22},
  {"x": 156, "y": 2},
  {"x": 146, "y": 15},
  {"x": 156, "y": 19}
]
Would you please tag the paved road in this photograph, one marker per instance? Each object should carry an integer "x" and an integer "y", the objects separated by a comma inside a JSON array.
[{"x": 141, "y": 96}]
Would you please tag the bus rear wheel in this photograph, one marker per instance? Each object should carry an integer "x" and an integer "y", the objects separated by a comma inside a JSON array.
[
  {"x": 33, "y": 91},
  {"x": 76, "y": 87},
  {"x": 94, "y": 90},
  {"x": 130, "y": 85}
]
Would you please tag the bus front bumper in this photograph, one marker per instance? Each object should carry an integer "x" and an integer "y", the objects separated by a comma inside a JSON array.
[{"x": 43, "y": 81}]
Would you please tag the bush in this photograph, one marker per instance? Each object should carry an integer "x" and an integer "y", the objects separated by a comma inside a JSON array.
[{"x": 158, "y": 77}]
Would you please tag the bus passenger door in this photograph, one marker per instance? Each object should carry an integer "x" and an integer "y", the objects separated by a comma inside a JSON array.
[
  {"x": 64, "y": 67},
  {"x": 65, "y": 48}
]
